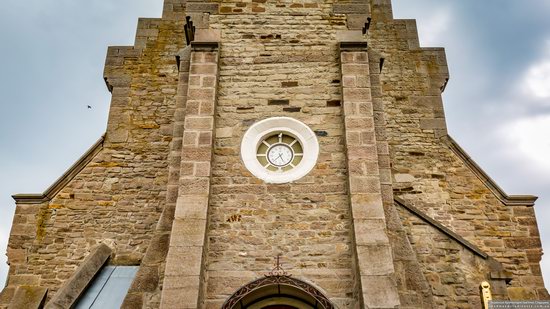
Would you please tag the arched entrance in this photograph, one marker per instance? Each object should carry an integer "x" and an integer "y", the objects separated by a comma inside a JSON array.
[{"x": 278, "y": 292}]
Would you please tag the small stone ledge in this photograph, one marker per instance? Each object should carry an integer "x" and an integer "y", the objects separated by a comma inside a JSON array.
[
  {"x": 28, "y": 297},
  {"x": 508, "y": 200},
  {"x": 350, "y": 36},
  {"x": 60, "y": 183},
  {"x": 442, "y": 228},
  {"x": 77, "y": 283}
]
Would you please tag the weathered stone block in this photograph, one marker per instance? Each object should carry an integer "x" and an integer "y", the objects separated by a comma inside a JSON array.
[
  {"x": 188, "y": 232},
  {"x": 430, "y": 124},
  {"x": 359, "y": 123},
  {"x": 224, "y": 132},
  {"x": 202, "y": 169},
  {"x": 158, "y": 249},
  {"x": 184, "y": 261},
  {"x": 180, "y": 292},
  {"x": 199, "y": 123},
  {"x": 28, "y": 297},
  {"x": 521, "y": 293},
  {"x": 367, "y": 206},
  {"x": 356, "y": 21},
  {"x": 192, "y": 207},
  {"x": 522, "y": 242},
  {"x": 146, "y": 280},
  {"x": 370, "y": 232},
  {"x": 364, "y": 184},
  {"x": 202, "y": 7},
  {"x": 208, "y": 35},
  {"x": 203, "y": 69},
  {"x": 375, "y": 260},
  {"x": 196, "y": 154},
  {"x": 351, "y": 8},
  {"x": 380, "y": 292},
  {"x": 357, "y": 95},
  {"x": 403, "y": 178},
  {"x": 354, "y": 69},
  {"x": 204, "y": 94},
  {"x": 6, "y": 295},
  {"x": 16, "y": 280},
  {"x": 194, "y": 185}
]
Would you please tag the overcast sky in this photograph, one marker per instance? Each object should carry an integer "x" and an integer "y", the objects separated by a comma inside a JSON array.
[{"x": 52, "y": 53}]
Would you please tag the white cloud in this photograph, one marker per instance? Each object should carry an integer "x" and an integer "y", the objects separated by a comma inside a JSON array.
[
  {"x": 536, "y": 81},
  {"x": 524, "y": 147},
  {"x": 432, "y": 24},
  {"x": 529, "y": 137},
  {"x": 433, "y": 27}
]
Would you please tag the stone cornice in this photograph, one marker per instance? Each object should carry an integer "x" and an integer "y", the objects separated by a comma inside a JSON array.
[
  {"x": 441, "y": 228},
  {"x": 508, "y": 200},
  {"x": 62, "y": 181},
  {"x": 204, "y": 46}
]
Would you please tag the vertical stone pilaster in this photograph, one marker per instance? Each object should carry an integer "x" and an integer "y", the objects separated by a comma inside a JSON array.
[
  {"x": 373, "y": 250},
  {"x": 146, "y": 284},
  {"x": 184, "y": 275}
]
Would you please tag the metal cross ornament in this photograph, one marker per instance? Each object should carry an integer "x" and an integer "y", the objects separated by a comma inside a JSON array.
[{"x": 278, "y": 271}]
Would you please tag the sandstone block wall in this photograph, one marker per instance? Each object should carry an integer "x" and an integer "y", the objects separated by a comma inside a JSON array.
[{"x": 281, "y": 62}]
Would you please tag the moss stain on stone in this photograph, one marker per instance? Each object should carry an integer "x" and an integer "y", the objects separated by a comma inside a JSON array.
[{"x": 42, "y": 217}]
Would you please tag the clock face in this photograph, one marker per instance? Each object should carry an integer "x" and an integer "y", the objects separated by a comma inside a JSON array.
[
  {"x": 279, "y": 149},
  {"x": 280, "y": 155},
  {"x": 279, "y": 152}
]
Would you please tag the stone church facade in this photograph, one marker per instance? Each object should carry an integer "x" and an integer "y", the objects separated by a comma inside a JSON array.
[{"x": 359, "y": 199}]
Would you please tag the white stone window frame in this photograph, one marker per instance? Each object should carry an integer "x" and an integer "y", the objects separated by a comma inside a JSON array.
[{"x": 264, "y": 128}]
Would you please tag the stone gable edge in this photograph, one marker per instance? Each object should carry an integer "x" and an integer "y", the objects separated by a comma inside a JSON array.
[
  {"x": 61, "y": 182},
  {"x": 507, "y": 200}
]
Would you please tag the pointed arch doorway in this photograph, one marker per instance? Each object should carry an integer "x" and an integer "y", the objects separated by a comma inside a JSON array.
[{"x": 278, "y": 292}]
